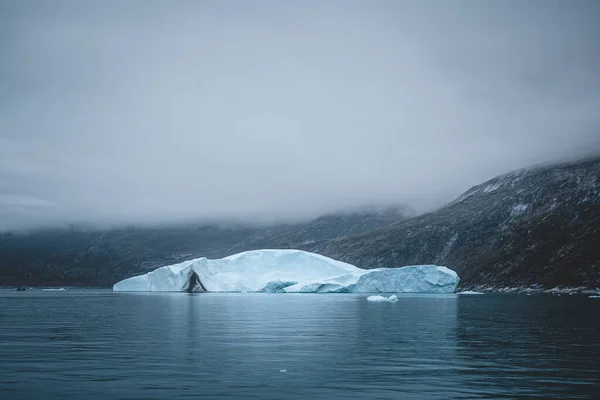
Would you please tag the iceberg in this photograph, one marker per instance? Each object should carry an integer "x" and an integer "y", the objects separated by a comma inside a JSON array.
[
  {"x": 289, "y": 271},
  {"x": 392, "y": 299}
]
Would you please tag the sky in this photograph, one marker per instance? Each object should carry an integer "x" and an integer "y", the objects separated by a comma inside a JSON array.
[{"x": 164, "y": 111}]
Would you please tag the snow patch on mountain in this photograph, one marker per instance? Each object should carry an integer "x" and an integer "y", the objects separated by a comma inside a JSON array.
[{"x": 518, "y": 209}]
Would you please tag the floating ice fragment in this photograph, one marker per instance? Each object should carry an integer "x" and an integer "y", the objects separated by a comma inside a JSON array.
[
  {"x": 392, "y": 299},
  {"x": 469, "y": 292}
]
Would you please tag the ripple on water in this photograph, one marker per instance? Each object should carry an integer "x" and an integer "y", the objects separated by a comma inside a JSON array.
[{"x": 99, "y": 344}]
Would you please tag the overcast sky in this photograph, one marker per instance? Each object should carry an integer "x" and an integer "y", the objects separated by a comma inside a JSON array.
[{"x": 142, "y": 111}]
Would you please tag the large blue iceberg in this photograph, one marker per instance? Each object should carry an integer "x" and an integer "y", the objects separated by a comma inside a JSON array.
[{"x": 289, "y": 271}]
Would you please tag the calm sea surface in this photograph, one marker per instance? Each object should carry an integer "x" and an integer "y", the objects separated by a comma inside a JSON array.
[{"x": 84, "y": 344}]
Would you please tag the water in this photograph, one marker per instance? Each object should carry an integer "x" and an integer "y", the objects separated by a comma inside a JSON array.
[{"x": 99, "y": 344}]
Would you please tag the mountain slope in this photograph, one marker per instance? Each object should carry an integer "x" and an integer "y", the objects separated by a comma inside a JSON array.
[{"x": 534, "y": 226}]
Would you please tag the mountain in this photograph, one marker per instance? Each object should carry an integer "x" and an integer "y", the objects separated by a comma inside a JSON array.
[
  {"x": 99, "y": 258},
  {"x": 331, "y": 226},
  {"x": 535, "y": 227}
]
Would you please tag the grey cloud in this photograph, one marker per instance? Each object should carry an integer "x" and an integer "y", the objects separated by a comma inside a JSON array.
[{"x": 144, "y": 111}]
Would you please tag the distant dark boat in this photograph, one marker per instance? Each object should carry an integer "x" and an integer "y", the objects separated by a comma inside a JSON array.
[{"x": 20, "y": 289}]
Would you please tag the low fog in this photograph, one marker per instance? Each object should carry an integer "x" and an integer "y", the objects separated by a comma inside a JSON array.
[{"x": 168, "y": 111}]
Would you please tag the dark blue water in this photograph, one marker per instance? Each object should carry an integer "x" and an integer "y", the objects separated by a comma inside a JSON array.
[{"x": 99, "y": 344}]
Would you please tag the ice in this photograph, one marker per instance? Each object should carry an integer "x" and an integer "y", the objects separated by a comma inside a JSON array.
[
  {"x": 255, "y": 270},
  {"x": 411, "y": 279},
  {"x": 62, "y": 289},
  {"x": 290, "y": 271},
  {"x": 392, "y": 299},
  {"x": 335, "y": 284},
  {"x": 469, "y": 292},
  {"x": 171, "y": 278},
  {"x": 277, "y": 286},
  {"x": 594, "y": 297}
]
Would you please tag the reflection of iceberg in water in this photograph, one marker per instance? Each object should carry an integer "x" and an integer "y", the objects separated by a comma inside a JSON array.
[
  {"x": 411, "y": 345},
  {"x": 343, "y": 345},
  {"x": 220, "y": 337}
]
